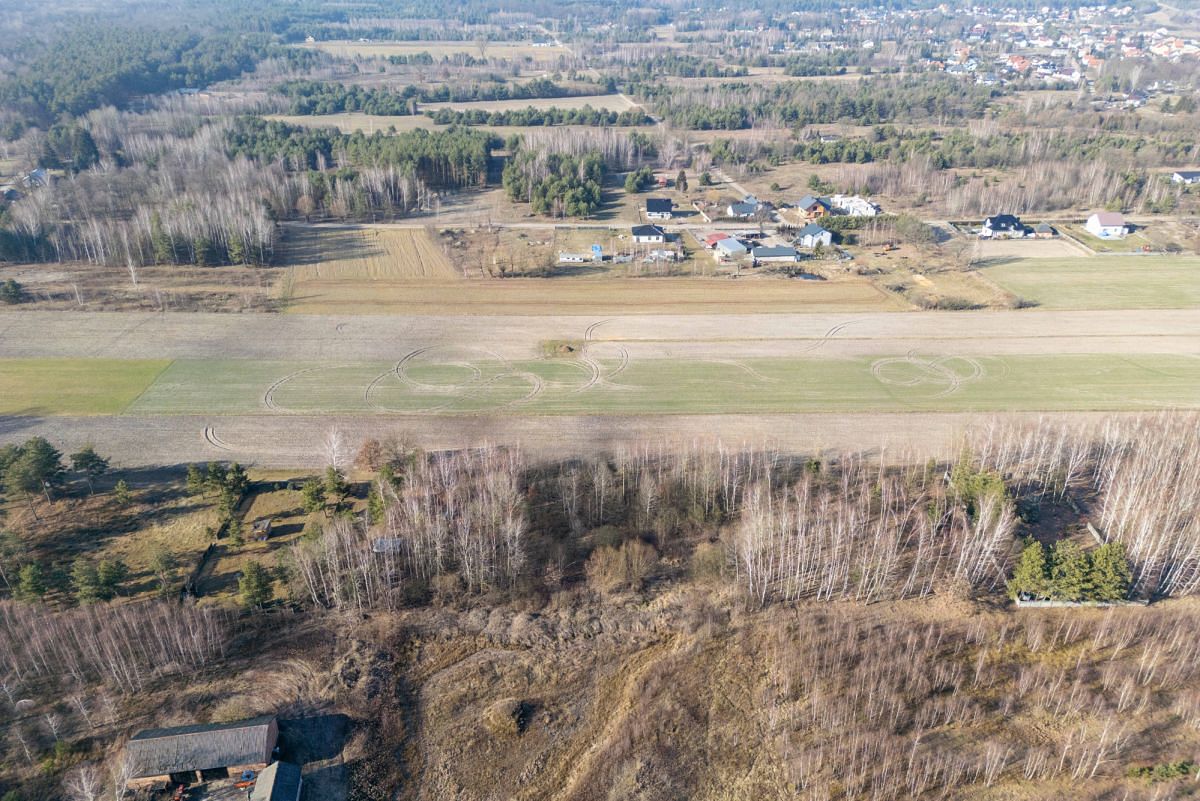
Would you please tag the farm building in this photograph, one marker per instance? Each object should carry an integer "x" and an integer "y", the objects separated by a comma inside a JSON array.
[
  {"x": 777, "y": 253},
  {"x": 1044, "y": 230},
  {"x": 730, "y": 249},
  {"x": 574, "y": 258},
  {"x": 1106, "y": 225},
  {"x": 1186, "y": 177},
  {"x": 209, "y": 750},
  {"x": 649, "y": 235},
  {"x": 1002, "y": 226},
  {"x": 279, "y": 781},
  {"x": 855, "y": 206},
  {"x": 711, "y": 240},
  {"x": 813, "y": 207},
  {"x": 659, "y": 208},
  {"x": 812, "y": 235}
]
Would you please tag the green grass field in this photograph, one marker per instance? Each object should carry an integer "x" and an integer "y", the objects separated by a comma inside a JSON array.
[
  {"x": 73, "y": 386},
  {"x": 464, "y": 383},
  {"x": 1104, "y": 282}
]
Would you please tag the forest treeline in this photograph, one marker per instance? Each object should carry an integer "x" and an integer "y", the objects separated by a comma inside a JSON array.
[
  {"x": 795, "y": 104},
  {"x": 781, "y": 529},
  {"x": 452, "y": 158},
  {"x": 585, "y": 115},
  {"x": 87, "y": 67},
  {"x": 323, "y": 97}
]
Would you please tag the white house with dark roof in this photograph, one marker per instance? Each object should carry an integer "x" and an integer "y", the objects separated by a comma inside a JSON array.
[
  {"x": 1186, "y": 177},
  {"x": 649, "y": 235},
  {"x": 1107, "y": 225},
  {"x": 659, "y": 208}
]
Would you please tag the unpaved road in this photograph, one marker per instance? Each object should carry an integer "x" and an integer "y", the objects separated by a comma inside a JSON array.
[{"x": 302, "y": 441}]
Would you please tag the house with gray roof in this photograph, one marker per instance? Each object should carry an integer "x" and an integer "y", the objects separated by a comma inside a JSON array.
[
  {"x": 184, "y": 754},
  {"x": 812, "y": 235},
  {"x": 730, "y": 249},
  {"x": 775, "y": 253}
]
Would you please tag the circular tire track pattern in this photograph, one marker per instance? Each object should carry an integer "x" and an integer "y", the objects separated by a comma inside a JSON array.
[
  {"x": 210, "y": 436},
  {"x": 475, "y": 387},
  {"x": 945, "y": 374}
]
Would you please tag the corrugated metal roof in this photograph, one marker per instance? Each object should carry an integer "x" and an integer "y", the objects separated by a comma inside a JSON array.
[{"x": 157, "y": 752}]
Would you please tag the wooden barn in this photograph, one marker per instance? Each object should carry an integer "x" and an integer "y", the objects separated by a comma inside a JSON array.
[{"x": 187, "y": 754}]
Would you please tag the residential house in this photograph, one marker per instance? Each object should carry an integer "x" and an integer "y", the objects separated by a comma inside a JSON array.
[
  {"x": 649, "y": 235},
  {"x": 279, "y": 781},
  {"x": 812, "y": 235},
  {"x": 746, "y": 208},
  {"x": 183, "y": 754},
  {"x": 659, "y": 208},
  {"x": 775, "y": 253},
  {"x": 813, "y": 207},
  {"x": 1107, "y": 225},
  {"x": 1187, "y": 177},
  {"x": 855, "y": 206},
  {"x": 730, "y": 249},
  {"x": 1002, "y": 226}
]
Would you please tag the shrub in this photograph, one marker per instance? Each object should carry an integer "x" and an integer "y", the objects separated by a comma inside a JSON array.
[{"x": 627, "y": 567}]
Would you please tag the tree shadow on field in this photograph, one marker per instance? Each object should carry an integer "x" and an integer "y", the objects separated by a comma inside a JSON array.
[
  {"x": 12, "y": 425},
  {"x": 318, "y": 245},
  {"x": 994, "y": 261}
]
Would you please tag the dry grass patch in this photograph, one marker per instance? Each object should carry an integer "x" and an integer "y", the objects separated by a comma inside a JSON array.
[{"x": 538, "y": 296}]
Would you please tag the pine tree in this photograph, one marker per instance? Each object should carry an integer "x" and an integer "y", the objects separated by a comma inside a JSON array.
[
  {"x": 122, "y": 494},
  {"x": 255, "y": 587},
  {"x": 1031, "y": 576},
  {"x": 91, "y": 464},
  {"x": 681, "y": 182},
  {"x": 160, "y": 241},
  {"x": 111, "y": 574},
  {"x": 85, "y": 580},
  {"x": 1070, "y": 572},
  {"x": 313, "y": 494},
  {"x": 1111, "y": 576},
  {"x": 31, "y": 582}
]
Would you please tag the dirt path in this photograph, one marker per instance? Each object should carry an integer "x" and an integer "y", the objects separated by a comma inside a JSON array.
[{"x": 299, "y": 441}]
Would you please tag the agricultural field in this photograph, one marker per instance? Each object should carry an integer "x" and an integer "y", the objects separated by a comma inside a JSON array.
[
  {"x": 73, "y": 386},
  {"x": 364, "y": 255},
  {"x": 603, "y": 378},
  {"x": 440, "y": 49},
  {"x": 1103, "y": 282}
]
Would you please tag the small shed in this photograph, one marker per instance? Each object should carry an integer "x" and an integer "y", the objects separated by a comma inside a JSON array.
[
  {"x": 279, "y": 781},
  {"x": 261, "y": 528},
  {"x": 730, "y": 249}
]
